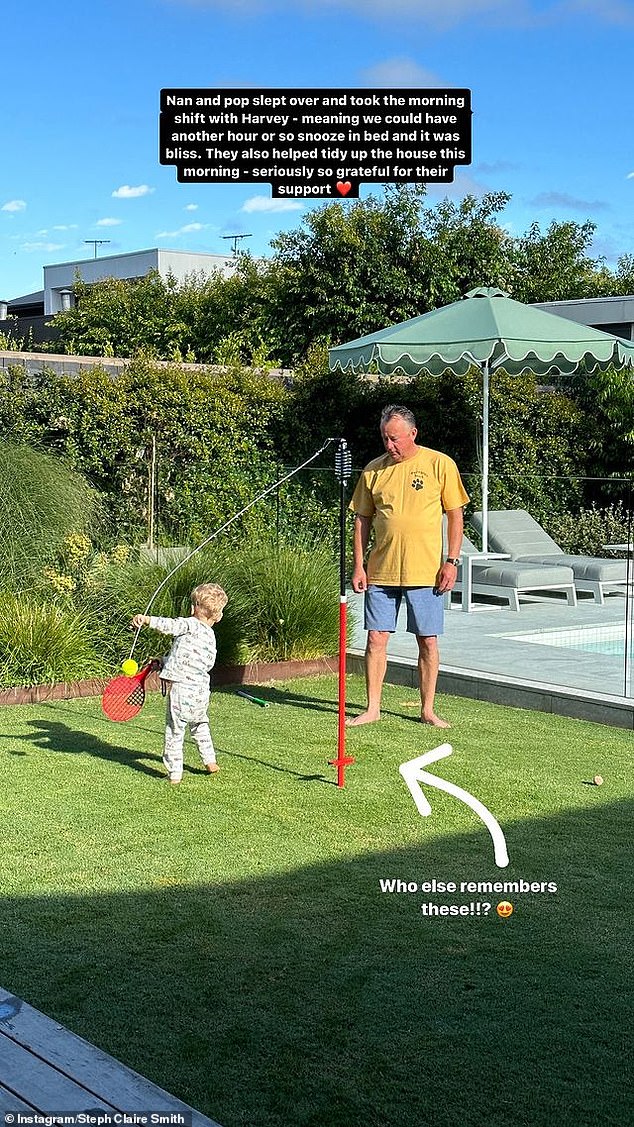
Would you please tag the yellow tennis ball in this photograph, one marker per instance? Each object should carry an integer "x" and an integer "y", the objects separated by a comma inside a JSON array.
[{"x": 129, "y": 667}]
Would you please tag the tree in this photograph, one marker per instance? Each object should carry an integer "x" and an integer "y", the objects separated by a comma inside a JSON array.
[
  {"x": 203, "y": 318},
  {"x": 622, "y": 281},
  {"x": 350, "y": 268},
  {"x": 555, "y": 266},
  {"x": 117, "y": 317},
  {"x": 227, "y": 317},
  {"x": 607, "y": 402},
  {"x": 465, "y": 246}
]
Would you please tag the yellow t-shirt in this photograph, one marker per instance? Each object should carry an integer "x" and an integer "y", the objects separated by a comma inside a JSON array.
[{"x": 406, "y": 501}]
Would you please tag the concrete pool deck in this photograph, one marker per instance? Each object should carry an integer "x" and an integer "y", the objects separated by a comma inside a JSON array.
[{"x": 481, "y": 657}]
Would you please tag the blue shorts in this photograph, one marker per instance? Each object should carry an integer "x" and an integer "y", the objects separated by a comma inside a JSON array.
[{"x": 425, "y": 611}]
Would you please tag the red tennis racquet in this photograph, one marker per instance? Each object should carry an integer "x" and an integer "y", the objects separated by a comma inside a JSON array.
[{"x": 123, "y": 697}]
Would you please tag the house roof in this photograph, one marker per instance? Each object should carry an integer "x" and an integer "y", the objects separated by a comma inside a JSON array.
[{"x": 26, "y": 299}]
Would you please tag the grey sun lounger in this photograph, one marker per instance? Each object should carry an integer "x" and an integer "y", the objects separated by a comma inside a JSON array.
[
  {"x": 516, "y": 532},
  {"x": 494, "y": 573}
]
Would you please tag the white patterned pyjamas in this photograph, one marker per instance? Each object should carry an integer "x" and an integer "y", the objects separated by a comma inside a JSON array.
[{"x": 187, "y": 703}]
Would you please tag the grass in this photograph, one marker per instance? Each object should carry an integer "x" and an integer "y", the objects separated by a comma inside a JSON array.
[{"x": 229, "y": 938}]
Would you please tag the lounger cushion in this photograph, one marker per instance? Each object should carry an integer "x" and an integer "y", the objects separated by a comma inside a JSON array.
[
  {"x": 516, "y": 532},
  {"x": 521, "y": 576},
  {"x": 517, "y": 528},
  {"x": 591, "y": 568}
]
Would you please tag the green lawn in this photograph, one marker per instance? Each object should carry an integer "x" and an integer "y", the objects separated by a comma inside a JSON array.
[{"x": 229, "y": 938}]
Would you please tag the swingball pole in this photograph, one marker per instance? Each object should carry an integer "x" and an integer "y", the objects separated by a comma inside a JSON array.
[{"x": 343, "y": 469}]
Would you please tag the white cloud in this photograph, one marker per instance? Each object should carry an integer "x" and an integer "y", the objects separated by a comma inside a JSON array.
[
  {"x": 108, "y": 222},
  {"x": 65, "y": 227},
  {"x": 126, "y": 192},
  {"x": 464, "y": 184},
  {"x": 186, "y": 230},
  {"x": 495, "y": 166},
  {"x": 47, "y": 247},
  {"x": 441, "y": 15},
  {"x": 571, "y": 203},
  {"x": 14, "y": 205},
  {"x": 450, "y": 11},
  {"x": 612, "y": 11},
  {"x": 399, "y": 73},
  {"x": 447, "y": 13},
  {"x": 630, "y": 176},
  {"x": 191, "y": 207},
  {"x": 263, "y": 203}
]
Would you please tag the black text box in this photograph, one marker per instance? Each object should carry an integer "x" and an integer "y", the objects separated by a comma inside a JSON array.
[{"x": 315, "y": 143}]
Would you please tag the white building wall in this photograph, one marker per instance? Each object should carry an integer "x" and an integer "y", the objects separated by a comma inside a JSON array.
[
  {"x": 597, "y": 312},
  {"x": 61, "y": 276}
]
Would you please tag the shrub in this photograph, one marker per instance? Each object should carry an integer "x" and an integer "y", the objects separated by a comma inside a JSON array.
[
  {"x": 283, "y": 603},
  {"x": 124, "y": 590},
  {"x": 44, "y": 644},
  {"x": 212, "y": 432},
  {"x": 607, "y": 402},
  {"x": 587, "y": 531},
  {"x": 287, "y": 600},
  {"x": 46, "y": 509}
]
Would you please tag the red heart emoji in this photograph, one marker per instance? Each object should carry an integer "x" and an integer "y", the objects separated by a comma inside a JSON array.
[{"x": 343, "y": 188}]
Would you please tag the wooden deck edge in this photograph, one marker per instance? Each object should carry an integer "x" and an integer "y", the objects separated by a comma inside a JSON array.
[{"x": 79, "y": 1067}]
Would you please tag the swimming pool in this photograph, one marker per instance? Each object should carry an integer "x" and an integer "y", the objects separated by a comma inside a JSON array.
[{"x": 608, "y": 640}]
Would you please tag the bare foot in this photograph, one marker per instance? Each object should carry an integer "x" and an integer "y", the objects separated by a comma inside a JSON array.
[
  {"x": 363, "y": 718},
  {"x": 435, "y": 721},
  {"x": 212, "y": 768}
]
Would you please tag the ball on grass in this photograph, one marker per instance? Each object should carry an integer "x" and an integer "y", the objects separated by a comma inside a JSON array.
[
  {"x": 598, "y": 779},
  {"x": 130, "y": 667}
]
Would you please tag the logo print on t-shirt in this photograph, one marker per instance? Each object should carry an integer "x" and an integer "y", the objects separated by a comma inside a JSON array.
[{"x": 417, "y": 482}]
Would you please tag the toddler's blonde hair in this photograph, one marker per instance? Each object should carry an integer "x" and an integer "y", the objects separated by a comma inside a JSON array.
[{"x": 210, "y": 597}]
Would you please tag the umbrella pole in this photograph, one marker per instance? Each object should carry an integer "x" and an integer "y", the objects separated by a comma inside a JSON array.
[
  {"x": 485, "y": 456},
  {"x": 343, "y": 469}
]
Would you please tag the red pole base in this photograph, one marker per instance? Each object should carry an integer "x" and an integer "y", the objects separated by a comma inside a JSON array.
[
  {"x": 341, "y": 764},
  {"x": 342, "y": 761}
]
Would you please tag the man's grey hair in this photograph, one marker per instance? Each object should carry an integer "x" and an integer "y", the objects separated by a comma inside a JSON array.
[{"x": 403, "y": 412}]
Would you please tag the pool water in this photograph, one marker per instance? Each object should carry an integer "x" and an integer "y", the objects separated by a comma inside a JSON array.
[{"x": 608, "y": 640}]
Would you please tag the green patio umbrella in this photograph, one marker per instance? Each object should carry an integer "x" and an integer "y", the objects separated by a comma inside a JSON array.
[{"x": 488, "y": 329}]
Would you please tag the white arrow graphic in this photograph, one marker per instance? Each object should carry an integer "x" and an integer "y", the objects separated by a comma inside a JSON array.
[{"x": 413, "y": 772}]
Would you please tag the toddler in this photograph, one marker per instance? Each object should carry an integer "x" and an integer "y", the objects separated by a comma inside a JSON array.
[{"x": 185, "y": 672}]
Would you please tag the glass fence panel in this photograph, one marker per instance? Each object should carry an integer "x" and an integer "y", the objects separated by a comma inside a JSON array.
[
  {"x": 552, "y": 604},
  {"x": 551, "y": 601}
]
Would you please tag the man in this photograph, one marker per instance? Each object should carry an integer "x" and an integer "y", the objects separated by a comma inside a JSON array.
[{"x": 402, "y": 496}]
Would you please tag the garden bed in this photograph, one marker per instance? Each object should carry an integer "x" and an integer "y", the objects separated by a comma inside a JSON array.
[{"x": 254, "y": 673}]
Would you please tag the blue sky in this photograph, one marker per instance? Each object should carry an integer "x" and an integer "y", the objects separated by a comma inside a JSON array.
[{"x": 552, "y": 99}]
